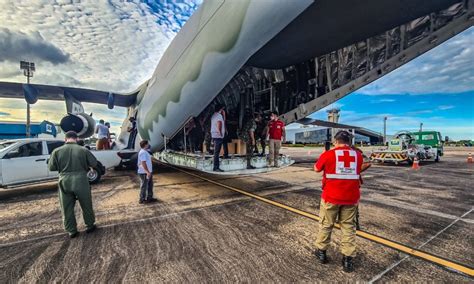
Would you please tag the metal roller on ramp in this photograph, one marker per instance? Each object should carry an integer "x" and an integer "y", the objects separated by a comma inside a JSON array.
[{"x": 235, "y": 165}]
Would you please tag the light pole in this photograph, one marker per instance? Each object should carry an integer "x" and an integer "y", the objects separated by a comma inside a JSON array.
[
  {"x": 384, "y": 130},
  {"x": 28, "y": 70}
]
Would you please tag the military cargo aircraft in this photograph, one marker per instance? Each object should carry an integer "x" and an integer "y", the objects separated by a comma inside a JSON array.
[{"x": 294, "y": 57}]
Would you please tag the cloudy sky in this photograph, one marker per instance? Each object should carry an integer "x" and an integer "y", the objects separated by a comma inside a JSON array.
[
  {"x": 105, "y": 45},
  {"x": 115, "y": 46}
]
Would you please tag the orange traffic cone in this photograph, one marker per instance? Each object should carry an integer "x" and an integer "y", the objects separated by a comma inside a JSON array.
[
  {"x": 416, "y": 164},
  {"x": 469, "y": 158}
]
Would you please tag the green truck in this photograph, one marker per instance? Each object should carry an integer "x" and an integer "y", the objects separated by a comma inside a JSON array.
[
  {"x": 433, "y": 139},
  {"x": 406, "y": 146}
]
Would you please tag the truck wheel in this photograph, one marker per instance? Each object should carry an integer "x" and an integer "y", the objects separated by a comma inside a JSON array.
[{"x": 94, "y": 176}]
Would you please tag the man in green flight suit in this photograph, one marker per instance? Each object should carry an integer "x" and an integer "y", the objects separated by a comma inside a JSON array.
[
  {"x": 73, "y": 162},
  {"x": 248, "y": 136}
]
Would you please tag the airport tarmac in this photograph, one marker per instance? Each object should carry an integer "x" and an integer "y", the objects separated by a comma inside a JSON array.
[{"x": 203, "y": 232}]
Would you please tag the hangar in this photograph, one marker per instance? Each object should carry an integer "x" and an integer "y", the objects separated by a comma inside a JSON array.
[{"x": 325, "y": 134}]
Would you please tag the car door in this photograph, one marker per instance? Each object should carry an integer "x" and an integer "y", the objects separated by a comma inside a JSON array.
[
  {"x": 51, "y": 145},
  {"x": 25, "y": 163}
]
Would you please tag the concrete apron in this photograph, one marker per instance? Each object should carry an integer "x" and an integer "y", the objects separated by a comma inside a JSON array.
[{"x": 235, "y": 165}]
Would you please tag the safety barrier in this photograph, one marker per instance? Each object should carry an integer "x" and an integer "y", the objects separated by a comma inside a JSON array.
[{"x": 389, "y": 157}]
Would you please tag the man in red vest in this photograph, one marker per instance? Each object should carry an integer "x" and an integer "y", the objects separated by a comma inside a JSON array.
[
  {"x": 275, "y": 135},
  {"x": 342, "y": 166}
]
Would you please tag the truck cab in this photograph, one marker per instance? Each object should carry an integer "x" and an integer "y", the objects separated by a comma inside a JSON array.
[{"x": 432, "y": 139}]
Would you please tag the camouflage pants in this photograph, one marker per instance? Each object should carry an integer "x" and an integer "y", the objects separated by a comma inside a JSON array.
[
  {"x": 249, "y": 153},
  {"x": 328, "y": 213}
]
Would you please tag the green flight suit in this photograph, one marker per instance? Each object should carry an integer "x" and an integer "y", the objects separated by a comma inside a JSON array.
[{"x": 73, "y": 162}]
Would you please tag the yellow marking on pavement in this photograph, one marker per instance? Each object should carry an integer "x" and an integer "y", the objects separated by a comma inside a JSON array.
[{"x": 371, "y": 237}]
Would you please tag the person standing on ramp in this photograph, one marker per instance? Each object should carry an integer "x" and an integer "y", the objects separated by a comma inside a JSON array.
[
  {"x": 73, "y": 161},
  {"x": 276, "y": 135},
  {"x": 342, "y": 166},
  {"x": 217, "y": 133},
  {"x": 145, "y": 172},
  {"x": 248, "y": 136}
]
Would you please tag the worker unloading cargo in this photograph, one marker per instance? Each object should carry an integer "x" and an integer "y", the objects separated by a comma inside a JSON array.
[
  {"x": 342, "y": 166},
  {"x": 102, "y": 136},
  {"x": 132, "y": 130},
  {"x": 248, "y": 136},
  {"x": 217, "y": 133},
  {"x": 226, "y": 138},
  {"x": 260, "y": 134}
]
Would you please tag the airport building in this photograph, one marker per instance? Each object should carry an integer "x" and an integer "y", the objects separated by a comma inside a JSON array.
[
  {"x": 315, "y": 131},
  {"x": 319, "y": 135}
]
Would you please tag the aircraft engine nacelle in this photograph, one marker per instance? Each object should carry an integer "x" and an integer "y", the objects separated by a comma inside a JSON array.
[{"x": 81, "y": 123}]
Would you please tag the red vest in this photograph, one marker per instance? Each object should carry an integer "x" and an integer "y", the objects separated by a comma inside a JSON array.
[
  {"x": 341, "y": 178},
  {"x": 275, "y": 129}
]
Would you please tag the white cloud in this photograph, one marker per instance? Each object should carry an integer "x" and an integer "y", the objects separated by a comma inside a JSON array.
[
  {"x": 112, "y": 45},
  {"x": 445, "y": 69},
  {"x": 382, "y": 101},
  {"x": 331, "y": 106},
  {"x": 445, "y": 107},
  {"x": 105, "y": 45},
  {"x": 421, "y": 111}
]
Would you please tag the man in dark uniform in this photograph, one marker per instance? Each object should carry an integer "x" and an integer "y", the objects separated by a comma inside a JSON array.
[
  {"x": 132, "y": 129},
  {"x": 248, "y": 136},
  {"x": 196, "y": 136},
  {"x": 260, "y": 133},
  {"x": 73, "y": 161},
  {"x": 226, "y": 139}
]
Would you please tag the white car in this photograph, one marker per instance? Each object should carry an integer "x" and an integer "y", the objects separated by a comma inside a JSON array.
[{"x": 26, "y": 161}]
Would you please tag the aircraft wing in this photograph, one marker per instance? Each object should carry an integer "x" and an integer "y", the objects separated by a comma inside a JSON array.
[
  {"x": 357, "y": 129},
  {"x": 318, "y": 122},
  {"x": 32, "y": 92}
]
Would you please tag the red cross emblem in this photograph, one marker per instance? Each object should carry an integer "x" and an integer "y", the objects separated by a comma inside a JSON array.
[{"x": 347, "y": 159}]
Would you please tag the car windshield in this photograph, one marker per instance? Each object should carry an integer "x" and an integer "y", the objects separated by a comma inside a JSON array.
[{"x": 4, "y": 145}]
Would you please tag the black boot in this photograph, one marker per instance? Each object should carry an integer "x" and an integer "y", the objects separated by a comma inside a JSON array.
[
  {"x": 321, "y": 256},
  {"x": 347, "y": 264},
  {"x": 91, "y": 229},
  {"x": 73, "y": 235}
]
